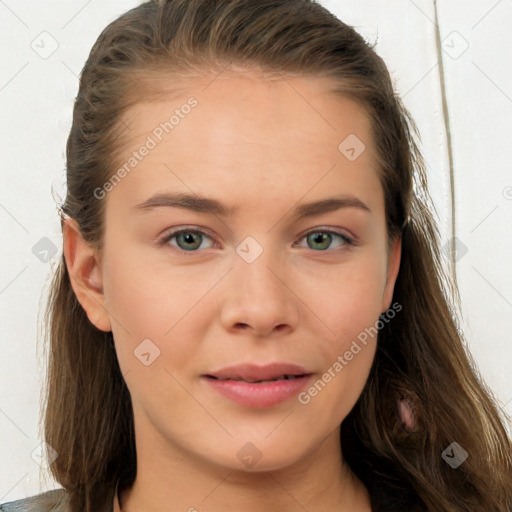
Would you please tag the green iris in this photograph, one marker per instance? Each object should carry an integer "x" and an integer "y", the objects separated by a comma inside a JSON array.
[
  {"x": 191, "y": 240},
  {"x": 188, "y": 236},
  {"x": 319, "y": 238}
]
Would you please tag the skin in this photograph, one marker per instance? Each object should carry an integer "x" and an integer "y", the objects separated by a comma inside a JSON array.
[{"x": 263, "y": 147}]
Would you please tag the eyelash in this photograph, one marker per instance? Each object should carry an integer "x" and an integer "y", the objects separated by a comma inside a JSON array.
[{"x": 348, "y": 243}]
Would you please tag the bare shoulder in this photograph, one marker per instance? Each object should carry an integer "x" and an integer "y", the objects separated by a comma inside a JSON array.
[{"x": 49, "y": 501}]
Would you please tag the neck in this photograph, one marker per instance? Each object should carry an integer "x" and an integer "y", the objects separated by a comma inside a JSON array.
[{"x": 316, "y": 483}]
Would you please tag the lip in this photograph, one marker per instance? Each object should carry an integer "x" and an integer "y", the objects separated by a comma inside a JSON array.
[
  {"x": 253, "y": 394},
  {"x": 254, "y": 372}
]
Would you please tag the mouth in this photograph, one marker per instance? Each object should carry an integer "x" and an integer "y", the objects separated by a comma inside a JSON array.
[
  {"x": 262, "y": 381},
  {"x": 251, "y": 372},
  {"x": 258, "y": 385}
]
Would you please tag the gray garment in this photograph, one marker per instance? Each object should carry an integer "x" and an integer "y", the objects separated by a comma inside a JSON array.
[{"x": 49, "y": 501}]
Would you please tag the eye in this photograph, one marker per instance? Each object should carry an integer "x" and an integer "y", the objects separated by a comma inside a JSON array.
[
  {"x": 186, "y": 239},
  {"x": 189, "y": 240},
  {"x": 321, "y": 239}
]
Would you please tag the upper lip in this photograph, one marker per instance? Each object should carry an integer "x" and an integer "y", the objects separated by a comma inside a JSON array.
[{"x": 255, "y": 372}]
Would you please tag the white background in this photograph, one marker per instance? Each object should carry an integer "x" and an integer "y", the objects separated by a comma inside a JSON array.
[{"x": 458, "y": 50}]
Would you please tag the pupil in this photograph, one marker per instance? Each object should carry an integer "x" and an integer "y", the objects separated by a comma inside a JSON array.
[
  {"x": 188, "y": 238},
  {"x": 321, "y": 238}
]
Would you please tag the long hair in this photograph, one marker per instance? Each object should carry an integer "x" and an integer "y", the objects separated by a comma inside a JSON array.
[{"x": 421, "y": 355}]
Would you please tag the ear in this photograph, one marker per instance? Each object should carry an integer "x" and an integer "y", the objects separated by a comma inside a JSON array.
[
  {"x": 83, "y": 264},
  {"x": 394, "y": 257}
]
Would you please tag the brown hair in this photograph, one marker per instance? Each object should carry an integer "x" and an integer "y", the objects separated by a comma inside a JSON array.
[{"x": 421, "y": 354}]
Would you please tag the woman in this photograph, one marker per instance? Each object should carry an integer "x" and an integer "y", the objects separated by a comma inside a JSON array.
[{"x": 306, "y": 357}]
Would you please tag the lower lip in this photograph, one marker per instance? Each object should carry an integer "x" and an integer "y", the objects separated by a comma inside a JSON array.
[{"x": 258, "y": 395}]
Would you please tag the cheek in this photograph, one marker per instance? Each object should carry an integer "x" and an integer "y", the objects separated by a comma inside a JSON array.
[
  {"x": 146, "y": 283},
  {"x": 351, "y": 300},
  {"x": 350, "y": 347},
  {"x": 350, "y": 309},
  {"x": 172, "y": 312},
  {"x": 146, "y": 297},
  {"x": 348, "y": 354},
  {"x": 140, "y": 314}
]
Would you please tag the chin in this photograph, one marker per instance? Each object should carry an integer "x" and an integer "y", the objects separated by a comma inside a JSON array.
[{"x": 257, "y": 457}]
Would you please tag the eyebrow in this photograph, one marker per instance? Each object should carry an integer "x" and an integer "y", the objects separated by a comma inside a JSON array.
[{"x": 203, "y": 204}]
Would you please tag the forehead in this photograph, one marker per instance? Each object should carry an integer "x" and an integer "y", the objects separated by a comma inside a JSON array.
[
  {"x": 246, "y": 130},
  {"x": 251, "y": 101}
]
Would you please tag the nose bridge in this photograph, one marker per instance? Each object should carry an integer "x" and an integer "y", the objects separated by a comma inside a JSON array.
[
  {"x": 259, "y": 296},
  {"x": 257, "y": 266}
]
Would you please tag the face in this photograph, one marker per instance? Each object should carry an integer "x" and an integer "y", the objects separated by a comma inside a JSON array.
[{"x": 254, "y": 278}]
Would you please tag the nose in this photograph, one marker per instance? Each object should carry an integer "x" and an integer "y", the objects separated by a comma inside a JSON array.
[{"x": 260, "y": 298}]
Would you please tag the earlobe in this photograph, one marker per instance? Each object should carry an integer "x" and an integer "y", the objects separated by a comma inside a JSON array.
[
  {"x": 83, "y": 264},
  {"x": 392, "y": 273}
]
